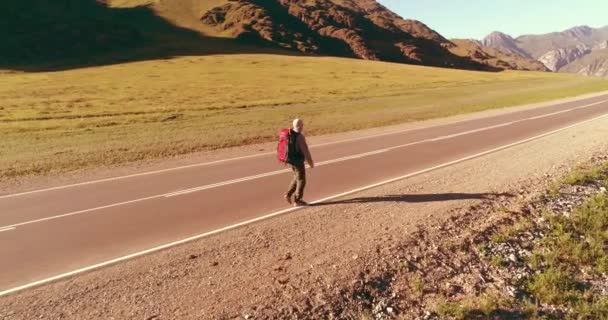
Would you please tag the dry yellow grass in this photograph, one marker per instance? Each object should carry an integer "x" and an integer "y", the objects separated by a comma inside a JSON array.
[{"x": 64, "y": 121}]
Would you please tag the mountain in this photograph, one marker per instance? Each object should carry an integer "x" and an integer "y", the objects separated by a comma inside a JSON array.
[
  {"x": 39, "y": 34},
  {"x": 577, "y": 50},
  {"x": 49, "y": 35},
  {"x": 494, "y": 57},
  {"x": 35, "y": 30},
  {"x": 592, "y": 64},
  {"x": 504, "y": 43},
  {"x": 364, "y": 29},
  {"x": 538, "y": 45},
  {"x": 556, "y": 59}
]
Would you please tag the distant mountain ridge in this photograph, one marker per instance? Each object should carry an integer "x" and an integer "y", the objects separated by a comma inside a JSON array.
[
  {"x": 500, "y": 59},
  {"x": 565, "y": 51},
  {"x": 504, "y": 43}
]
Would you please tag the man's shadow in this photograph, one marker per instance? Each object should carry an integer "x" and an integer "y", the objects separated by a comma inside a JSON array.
[{"x": 418, "y": 198}]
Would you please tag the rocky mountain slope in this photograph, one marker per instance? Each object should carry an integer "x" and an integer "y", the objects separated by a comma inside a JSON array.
[
  {"x": 538, "y": 45},
  {"x": 592, "y": 64},
  {"x": 364, "y": 29},
  {"x": 556, "y": 59},
  {"x": 577, "y": 50}
]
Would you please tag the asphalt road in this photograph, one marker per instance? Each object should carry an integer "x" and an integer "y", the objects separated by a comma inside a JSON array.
[{"x": 53, "y": 233}]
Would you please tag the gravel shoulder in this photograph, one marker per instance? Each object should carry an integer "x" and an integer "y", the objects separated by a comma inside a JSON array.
[{"x": 302, "y": 263}]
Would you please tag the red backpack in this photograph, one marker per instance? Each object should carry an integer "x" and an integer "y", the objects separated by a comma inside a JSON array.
[{"x": 283, "y": 147}]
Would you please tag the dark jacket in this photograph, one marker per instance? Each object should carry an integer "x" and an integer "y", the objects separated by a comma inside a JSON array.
[{"x": 298, "y": 151}]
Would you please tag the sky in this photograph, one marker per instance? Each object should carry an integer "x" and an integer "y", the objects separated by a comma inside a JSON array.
[{"x": 477, "y": 18}]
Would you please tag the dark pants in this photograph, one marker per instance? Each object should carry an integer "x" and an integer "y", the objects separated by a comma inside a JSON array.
[{"x": 298, "y": 183}]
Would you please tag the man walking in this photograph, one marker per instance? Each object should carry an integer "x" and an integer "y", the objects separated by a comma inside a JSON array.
[{"x": 298, "y": 154}]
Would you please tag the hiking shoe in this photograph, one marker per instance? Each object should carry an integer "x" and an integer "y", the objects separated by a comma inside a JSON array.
[
  {"x": 300, "y": 203},
  {"x": 288, "y": 199}
]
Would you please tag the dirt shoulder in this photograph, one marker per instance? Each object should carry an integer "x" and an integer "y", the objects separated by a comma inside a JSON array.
[
  {"x": 302, "y": 263},
  {"x": 47, "y": 181}
]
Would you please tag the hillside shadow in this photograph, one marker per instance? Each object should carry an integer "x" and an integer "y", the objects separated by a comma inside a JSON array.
[
  {"x": 418, "y": 198},
  {"x": 43, "y": 35}
]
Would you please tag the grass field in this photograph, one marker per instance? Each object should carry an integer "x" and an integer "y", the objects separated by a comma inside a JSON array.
[{"x": 63, "y": 121}]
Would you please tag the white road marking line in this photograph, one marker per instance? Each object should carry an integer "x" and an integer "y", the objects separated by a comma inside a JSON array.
[
  {"x": 81, "y": 211},
  {"x": 244, "y": 179},
  {"x": 357, "y": 156},
  {"x": 225, "y": 183},
  {"x": 7, "y": 229},
  {"x": 281, "y": 212},
  {"x": 564, "y": 111},
  {"x": 268, "y": 174},
  {"x": 196, "y": 189},
  {"x": 261, "y": 154},
  {"x": 472, "y": 131}
]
